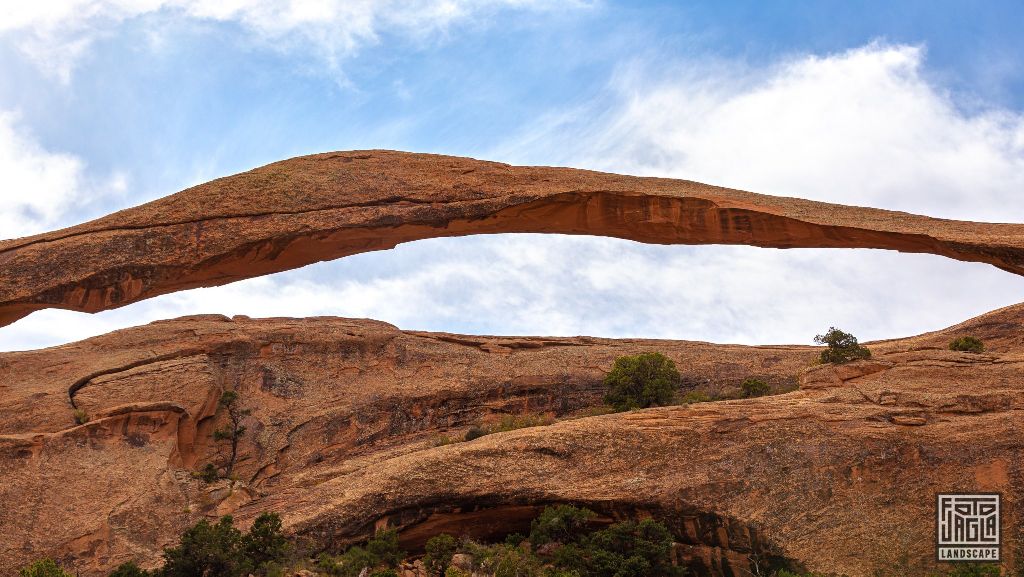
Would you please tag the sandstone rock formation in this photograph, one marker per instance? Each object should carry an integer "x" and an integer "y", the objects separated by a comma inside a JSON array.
[
  {"x": 839, "y": 475},
  {"x": 299, "y": 211},
  {"x": 352, "y": 420}
]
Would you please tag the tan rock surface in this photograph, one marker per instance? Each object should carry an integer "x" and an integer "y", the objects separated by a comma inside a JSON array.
[
  {"x": 839, "y": 475},
  {"x": 295, "y": 212}
]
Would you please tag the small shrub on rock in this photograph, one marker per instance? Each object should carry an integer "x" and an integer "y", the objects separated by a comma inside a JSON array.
[
  {"x": 559, "y": 524},
  {"x": 208, "y": 474},
  {"x": 81, "y": 417},
  {"x": 439, "y": 551},
  {"x": 384, "y": 547},
  {"x": 641, "y": 381},
  {"x": 379, "y": 554},
  {"x": 753, "y": 387},
  {"x": 43, "y": 568},
  {"x": 967, "y": 345},
  {"x": 842, "y": 347},
  {"x": 475, "y": 432}
]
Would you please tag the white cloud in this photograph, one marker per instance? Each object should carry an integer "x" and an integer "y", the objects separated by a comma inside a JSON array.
[
  {"x": 42, "y": 189},
  {"x": 863, "y": 127},
  {"x": 55, "y": 34},
  {"x": 39, "y": 186}
]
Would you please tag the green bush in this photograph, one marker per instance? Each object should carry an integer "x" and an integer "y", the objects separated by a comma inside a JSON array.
[
  {"x": 842, "y": 347},
  {"x": 381, "y": 552},
  {"x": 208, "y": 550},
  {"x": 43, "y": 568},
  {"x": 208, "y": 474},
  {"x": 265, "y": 543},
  {"x": 753, "y": 387},
  {"x": 513, "y": 562},
  {"x": 967, "y": 345},
  {"x": 626, "y": 549},
  {"x": 559, "y": 524},
  {"x": 221, "y": 550},
  {"x": 439, "y": 552},
  {"x": 474, "y": 432},
  {"x": 352, "y": 562},
  {"x": 641, "y": 381},
  {"x": 129, "y": 569},
  {"x": 384, "y": 547}
]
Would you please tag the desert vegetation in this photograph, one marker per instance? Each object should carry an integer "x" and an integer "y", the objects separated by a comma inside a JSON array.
[
  {"x": 841, "y": 348},
  {"x": 207, "y": 550},
  {"x": 754, "y": 387},
  {"x": 234, "y": 429},
  {"x": 641, "y": 381},
  {"x": 564, "y": 541},
  {"x": 505, "y": 424},
  {"x": 379, "y": 557},
  {"x": 967, "y": 344},
  {"x": 231, "y": 433}
]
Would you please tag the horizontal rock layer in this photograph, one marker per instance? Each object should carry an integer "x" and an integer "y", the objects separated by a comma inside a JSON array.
[
  {"x": 314, "y": 208},
  {"x": 348, "y": 416}
]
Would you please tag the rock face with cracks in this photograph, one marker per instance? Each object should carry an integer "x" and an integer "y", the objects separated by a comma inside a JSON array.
[
  {"x": 838, "y": 476},
  {"x": 299, "y": 211}
]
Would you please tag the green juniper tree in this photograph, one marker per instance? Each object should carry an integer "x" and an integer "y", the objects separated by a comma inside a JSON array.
[
  {"x": 265, "y": 543},
  {"x": 842, "y": 347},
  {"x": 641, "y": 381}
]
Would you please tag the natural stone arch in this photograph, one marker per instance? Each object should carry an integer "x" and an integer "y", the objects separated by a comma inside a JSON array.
[{"x": 314, "y": 208}]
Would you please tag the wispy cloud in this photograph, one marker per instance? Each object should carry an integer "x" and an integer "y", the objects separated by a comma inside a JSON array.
[
  {"x": 41, "y": 187},
  {"x": 864, "y": 127},
  {"x": 57, "y": 34}
]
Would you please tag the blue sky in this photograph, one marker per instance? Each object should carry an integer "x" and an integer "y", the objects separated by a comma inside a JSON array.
[{"x": 913, "y": 106}]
